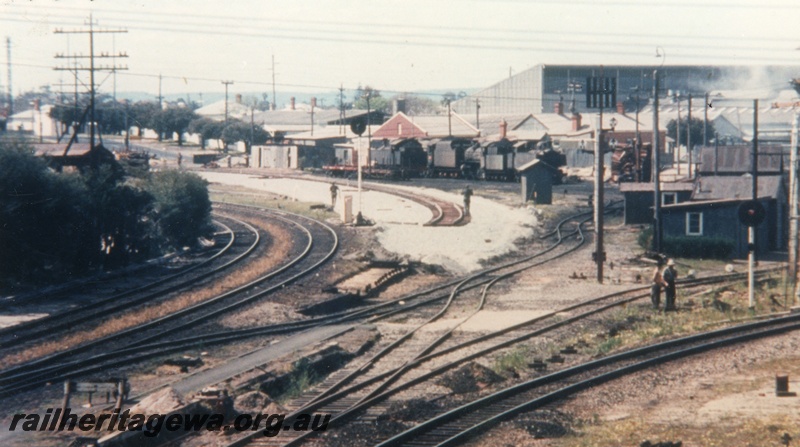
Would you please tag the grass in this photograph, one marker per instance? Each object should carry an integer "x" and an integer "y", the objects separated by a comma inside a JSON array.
[
  {"x": 301, "y": 378},
  {"x": 745, "y": 432},
  {"x": 700, "y": 310},
  {"x": 514, "y": 360}
]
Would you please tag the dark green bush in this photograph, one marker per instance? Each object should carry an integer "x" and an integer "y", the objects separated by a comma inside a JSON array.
[
  {"x": 697, "y": 247},
  {"x": 645, "y": 238}
]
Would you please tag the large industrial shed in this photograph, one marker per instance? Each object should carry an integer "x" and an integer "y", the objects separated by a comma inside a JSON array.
[{"x": 539, "y": 88}]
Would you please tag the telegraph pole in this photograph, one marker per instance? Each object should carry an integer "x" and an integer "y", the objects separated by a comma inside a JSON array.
[
  {"x": 678, "y": 134},
  {"x": 705, "y": 120},
  {"x": 274, "y": 98},
  {"x": 478, "y": 113},
  {"x": 341, "y": 110},
  {"x": 637, "y": 141},
  {"x": 92, "y": 68},
  {"x": 751, "y": 231},
  {"x": 689, "y": 135},
  {"x": 656, "y": 170},
  {"x": 226, "y": 83},
  {"x": 160, "y": 98},
  {"x": 793, "y": 199},
  {"x": 8, "y": 65}
]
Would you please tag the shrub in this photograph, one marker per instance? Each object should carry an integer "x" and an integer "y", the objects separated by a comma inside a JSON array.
[
  {"x": 696, "y": 247},
  {"x": 182, "y": 206},
  {"x": 645, "y": 238}
]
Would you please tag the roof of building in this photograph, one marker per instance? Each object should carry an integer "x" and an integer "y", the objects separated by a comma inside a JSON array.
[
  {"x": 701, "y": 203},
  {"x": 303, "y": 117},
  {"x": 57, "y": 149},
  {"x": 649, "y": 187},
  {"x": 216, "y": 110},
  {"x": 428, "y": 126},
  {"x": 329, "y": 132},
  {"x": 534, "y": 163},
  {"x": 739, "y": 187},
  {"x": 490, "y": 124},
  {"x": 737, "y": 159}
]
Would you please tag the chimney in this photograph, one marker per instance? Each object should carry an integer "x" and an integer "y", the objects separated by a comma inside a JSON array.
[
  {"x": 559, "y": 109},
  {"x": 313, "y": 102},
  {"x": 576, "y": 121},
  {"x": 238, "y": 98},
  {"x": 291, "y": 102},
  {"x": 399, "y": 105},
  {"x": 503, "y": 129},
  {"x": 620, "y": 108}
]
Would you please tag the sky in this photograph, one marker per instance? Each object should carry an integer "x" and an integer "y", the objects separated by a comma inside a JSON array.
[{"x": 394, "y": 46}]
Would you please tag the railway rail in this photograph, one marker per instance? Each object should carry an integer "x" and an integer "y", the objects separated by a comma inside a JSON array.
[
  {"x": 316, "y": 250},
  {"x": 350, "y": 390},
  {"x": 458, "y": 425},
  {"x": 346, "y": 401},
  {"x": 345, "y": 407},
  {"x": 443, "y": 212},
  {"x": 234, "y": 250}
]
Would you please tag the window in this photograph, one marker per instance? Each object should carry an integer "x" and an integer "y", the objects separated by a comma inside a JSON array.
[
  {"x": 694, "y": 224},
  {"x": 669, "y": 198}
]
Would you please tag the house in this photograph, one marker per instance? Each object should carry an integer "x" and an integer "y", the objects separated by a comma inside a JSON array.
[
  {"x": 401, "y": 125},
  {"x": 638, "y": 199},
  {"x": 712, "y": 212},
  {"x": 35, "y": 121}
]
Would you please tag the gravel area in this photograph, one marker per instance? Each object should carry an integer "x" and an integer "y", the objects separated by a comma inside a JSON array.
[{"x": 493, "y": 230}]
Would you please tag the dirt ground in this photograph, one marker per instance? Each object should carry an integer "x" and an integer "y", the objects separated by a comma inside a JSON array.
[{"x": 725, "y": 392}]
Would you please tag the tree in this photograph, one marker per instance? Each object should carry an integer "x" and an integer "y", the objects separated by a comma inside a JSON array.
[
  {"x": 141, "y": 113},
  {"x": 173, "y": 120},
  {"x": 110, "y": 117},
  {"x": 182, "y": 206},
  {"x": 207, "y": 129},
  {"x": 448, "y": 98},
  {"x": 696, "y": 131},
  {"x": 420, "y": 105},
  {"x": 372, "y": 96},
  {"x": 57, "y": 225},
  {"x": 237, "y": 130}
]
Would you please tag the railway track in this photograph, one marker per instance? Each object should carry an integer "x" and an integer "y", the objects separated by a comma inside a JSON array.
[
  {"x": 316, "y": 249},
  {"x": 345, "y": 407},
  {"x": 443, "y": 212},
  {"x": 459, "y": 425},
  {"x": 153, "y": 347},
  {"x": 234, "y": 250},
  {"x": 347, "y": 391}
]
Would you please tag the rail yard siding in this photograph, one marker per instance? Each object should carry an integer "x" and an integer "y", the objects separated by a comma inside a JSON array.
[{"x": 492, "y": 231}]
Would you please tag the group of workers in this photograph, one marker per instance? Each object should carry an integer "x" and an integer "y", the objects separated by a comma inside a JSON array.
[{"x": 664, "y": 279}]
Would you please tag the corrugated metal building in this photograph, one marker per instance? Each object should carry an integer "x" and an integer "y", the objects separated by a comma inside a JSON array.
[{"x": 539, "y": 88}]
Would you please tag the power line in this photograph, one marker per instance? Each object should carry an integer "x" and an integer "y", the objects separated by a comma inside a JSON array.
[
  {"x": 214, "y": 20},
  {"x": 462, "y": 41}
]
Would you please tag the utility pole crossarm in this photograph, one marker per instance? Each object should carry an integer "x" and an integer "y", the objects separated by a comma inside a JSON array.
[{"x": 91, "y": 32}]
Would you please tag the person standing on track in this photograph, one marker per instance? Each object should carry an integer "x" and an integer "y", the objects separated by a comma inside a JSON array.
[
  {"x": 334, "y": 194},
  {"x": 467, "y": 193},
  {"x": 669, "y": 277},
  {"x": 655, "y": 288}
]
